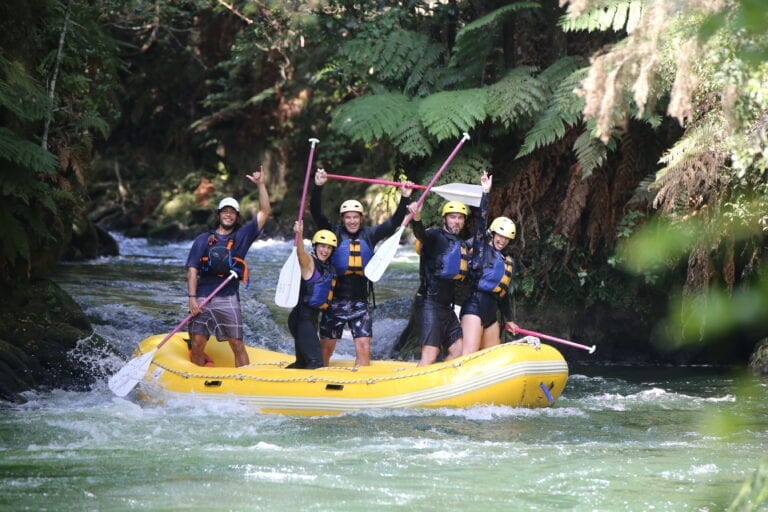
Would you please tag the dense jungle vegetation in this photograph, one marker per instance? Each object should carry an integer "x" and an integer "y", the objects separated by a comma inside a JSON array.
[{"x": 627, "y": 139}]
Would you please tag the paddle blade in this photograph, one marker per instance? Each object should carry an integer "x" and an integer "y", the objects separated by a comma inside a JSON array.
[
  {"x": 462, "y": 192},
  {"x": 289, "y": 282},
  {"x": 383, "y": 256},
  {"x": 129, "y": 375}
]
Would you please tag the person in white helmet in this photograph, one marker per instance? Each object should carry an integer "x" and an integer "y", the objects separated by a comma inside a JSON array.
[
  {"x": 212, "y": 256},
  {"x": 444, "y": 263},
  {"x": 490, "y": 277},
  {"x": 350, "y": 305}
]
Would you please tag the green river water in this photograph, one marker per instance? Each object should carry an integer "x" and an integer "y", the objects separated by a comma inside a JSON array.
[{"x": 623, "y": 439}]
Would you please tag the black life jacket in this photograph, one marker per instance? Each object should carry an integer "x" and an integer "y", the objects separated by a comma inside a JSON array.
[{"x": 218, "y": 261}]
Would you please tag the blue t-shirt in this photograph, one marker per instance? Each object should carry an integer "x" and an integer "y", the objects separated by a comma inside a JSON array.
[{"x": 244, "y": 238}]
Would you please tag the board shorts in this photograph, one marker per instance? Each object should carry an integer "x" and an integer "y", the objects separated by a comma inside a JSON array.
[
  {"x": 221, "y": 317},
  {"x": 483, "y": 305},
  {"x": 341, "y": 312},
  {"x": 439, "y": 325}
]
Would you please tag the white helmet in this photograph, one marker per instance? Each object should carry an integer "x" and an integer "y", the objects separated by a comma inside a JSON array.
[
  {"x": 231, "y": 202},
  {"x": 503, "y": 226},
  {"x": 351, "y": 205}
]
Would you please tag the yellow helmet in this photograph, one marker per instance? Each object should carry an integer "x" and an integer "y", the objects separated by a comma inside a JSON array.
[
  {"x": 351, "y": 206},
  {"x": 504, "y": 226},
  {"x": 455, "y": 207},
  {"x": 325, "y": 237}
]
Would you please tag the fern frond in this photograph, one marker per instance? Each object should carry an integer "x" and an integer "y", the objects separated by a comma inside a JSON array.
[
  {"x": 25, "y": 153},
  {"x": 427, "y": 72},
  {"x": 476, "y": 40},
  {"x": 374, "y": 116},
  {"x": 590, "y": 151},
  {"x": 403, "y": 56},
  {"x": 20, "y": 93},
  {"x": 563, "y": 110},
  {"x": 447, "y": 114},
  {"x": 518, "y": 95},
  {"x": 410, "y": 138},
  {"x": 606, "y": 15}
]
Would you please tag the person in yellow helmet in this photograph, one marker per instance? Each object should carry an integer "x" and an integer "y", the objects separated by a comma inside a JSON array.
[
  {"x": 318, "y": 278},
  {"x": 444, "y": 262},
  {"x": 209, "y": 262},
  {"x": 350, "y": 305},
  {"x": 491, "y": 276}
]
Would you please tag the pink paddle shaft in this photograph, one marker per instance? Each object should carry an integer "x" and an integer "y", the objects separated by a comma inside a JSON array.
[
  {"x": 313, "y": 143},
  {"x": 552, "y": 338},
  {"x": 375, "y": 181},
  {"x": 206, "y": 300},
  {"x": 434, "y": 179}
]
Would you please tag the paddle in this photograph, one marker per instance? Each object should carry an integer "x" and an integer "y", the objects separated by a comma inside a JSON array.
[
  {"x": 552, "y": 338},
  {"x": 467, "y": 194},
  {"x": 126, "y": 378},
  {"x": 386, "y": 251},
  {"x": 289, "y": 282}
]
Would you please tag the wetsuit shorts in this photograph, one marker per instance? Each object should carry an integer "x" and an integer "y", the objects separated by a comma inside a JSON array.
[
  {"x": 221, "y": 317},
  {"x": 483, "y": 305},
  {"x": 439, "y": 325},
  {"x": 341, "y": 312}
]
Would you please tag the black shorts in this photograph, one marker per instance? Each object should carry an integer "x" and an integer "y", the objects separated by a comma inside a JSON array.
[
  {"x": 483, "y": 305},
  {"x": 341, "y": 312},
  {"x": 439, "y": 325}
]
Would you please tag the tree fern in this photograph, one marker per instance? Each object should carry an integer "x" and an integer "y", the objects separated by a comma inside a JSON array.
[
  {"x": 20, "y": 93},
  {"x": 563, "y": 110},
  {"x": 606, "y": 15},
  {"x": 519, "y": 94},
  {"x": 590, "y": 151},
  {"x": 447, "y": 114},
  {"x": 476, "y": 40},
  {"x": 374, "y": 116},
  {"x": 401, "y": 57},
  {"x": 410, "y": 138},
  {"x": 25, "y": 153}
]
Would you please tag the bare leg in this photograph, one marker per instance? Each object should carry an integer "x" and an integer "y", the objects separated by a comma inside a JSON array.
[
  {"x": 363, "y": 351},
  {"x": 428, "y": 354},
  {"x": 455, "y": 350},
  {"x": 327, "y": 345},
  {"x": 472, "y": 327},
  {"x": 197, "y": 349},
  {"x": 241, "y": 356},
  {"x": 491, "y": 336}
]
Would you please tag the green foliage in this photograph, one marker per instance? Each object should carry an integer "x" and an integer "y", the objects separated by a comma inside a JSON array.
[
  {"x": 477, "y": 39},
  {"x": 447, "y": 114},
  {"x": 590, "y": 151},
  {"x": 563, "y": 107},
  {"x": 516, "y": 97},
  {"x": 606, "y": 15},
  {"x": 25, "y": 154},
  {"x": 403, "y": 57},
  {"x": 374, "y": 116}
]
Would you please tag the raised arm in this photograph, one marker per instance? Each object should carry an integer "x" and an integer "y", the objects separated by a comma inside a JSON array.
[
  {"x": 478, "y": 241},
  {"x": 265, "y": 209},
  {"x": 306, "y": 262},
  {"x": 315, "y": 200}
]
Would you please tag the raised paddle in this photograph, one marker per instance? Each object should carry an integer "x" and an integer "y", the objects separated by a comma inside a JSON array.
[
  {"x": 134, "y": 370},
  {"x": 552, "y": 338},
  {"x": 467, "y": 194},
  {"x": 386, "y": 251},
  {"x": 289, "y": 282}
]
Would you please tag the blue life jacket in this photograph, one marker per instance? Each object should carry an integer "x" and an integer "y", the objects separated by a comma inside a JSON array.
[
  {"x": 351, "y": 256},
  {"x": 318, "y": 294},
  {"x": 453, "y": 263},
  {"x": 497, "y": 273}
]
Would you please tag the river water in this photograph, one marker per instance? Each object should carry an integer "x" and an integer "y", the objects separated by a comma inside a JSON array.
[{"x": 630, "y": 439}]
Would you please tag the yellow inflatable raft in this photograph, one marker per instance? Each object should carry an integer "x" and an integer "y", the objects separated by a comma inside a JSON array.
[{"x": 513, "y": 374}]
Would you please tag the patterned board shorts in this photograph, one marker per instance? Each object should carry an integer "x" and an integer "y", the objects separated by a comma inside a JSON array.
[
  {"x": 221, "y": 317},
  {"x": 341, "y": 312}
]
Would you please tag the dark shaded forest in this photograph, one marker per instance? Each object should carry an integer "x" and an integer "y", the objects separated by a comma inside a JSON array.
[{"x": 626, "y": 140}]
